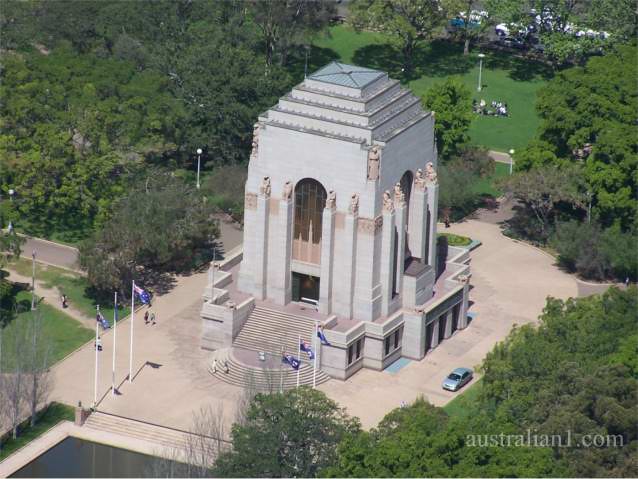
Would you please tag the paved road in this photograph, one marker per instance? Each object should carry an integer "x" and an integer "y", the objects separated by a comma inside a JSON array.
[{"x": 51, "y": 253}]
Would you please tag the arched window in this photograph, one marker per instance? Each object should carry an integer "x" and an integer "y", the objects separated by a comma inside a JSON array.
[
  {"x": 406, "y": 187},
  {"x": 310, "y": 200}
]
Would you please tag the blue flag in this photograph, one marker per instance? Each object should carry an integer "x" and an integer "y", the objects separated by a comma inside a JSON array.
[
  {"x": 292, "y": 361},
  {"x": 322, "y": 337},
  {"x": 145, "y": 298},
  {"x": 305, "y": 347}
]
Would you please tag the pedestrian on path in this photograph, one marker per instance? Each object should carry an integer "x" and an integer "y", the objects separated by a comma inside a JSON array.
[
  {"x": 153, "y": 318},
  {"x": 146, "y": 317},
  {"x": 98, "y": 343},
  {"x": 214, "y": 367},
  {"x": 226, "y": 369}
]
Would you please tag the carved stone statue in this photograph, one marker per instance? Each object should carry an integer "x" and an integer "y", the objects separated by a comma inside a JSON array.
[
  {"x": 354, "y": 204},
  {"x": 463, "y": 278},
  {"x": 374, "y": 157},
  {"x": 287, "y": 194},
  {"x": 253, "y": 153},
  {"x": 430, "y": 173},
  {"x": 331, "y": 201},
  {"x": 264, "y": 189},
  {"x": 419, "y": 180},
  {"x": 388, "y": 204},
  {"x": 399, "y": 197}
]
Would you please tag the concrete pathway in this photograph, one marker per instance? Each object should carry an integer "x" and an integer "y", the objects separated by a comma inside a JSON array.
[{"x": 51, "y": 253}]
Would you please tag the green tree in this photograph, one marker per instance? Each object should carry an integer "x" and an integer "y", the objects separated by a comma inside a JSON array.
[
  {"x": 409, "y": 22},
  {"x": 284, "y": 24},
  {"x": 592, "y": 110},
  {"x": 452, "y": 103},
  {"x": 162, "y": 226},
  {"x": 291, "y": 434}
]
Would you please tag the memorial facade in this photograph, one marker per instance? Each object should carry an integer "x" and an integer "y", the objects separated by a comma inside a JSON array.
[{"x": 340, "y": 215}]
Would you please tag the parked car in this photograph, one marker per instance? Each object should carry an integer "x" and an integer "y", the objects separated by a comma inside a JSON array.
[
  {"x": 512, "y": 42},
  {"x": 457, "y": 379}
]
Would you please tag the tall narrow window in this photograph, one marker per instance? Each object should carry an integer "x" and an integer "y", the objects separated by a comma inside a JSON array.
[{"x": 310, "y": 200}]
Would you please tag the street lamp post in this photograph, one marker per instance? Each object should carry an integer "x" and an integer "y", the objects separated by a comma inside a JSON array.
[
  {"x": 33, "y": 280},
  {"x": 511, "y": 161},
  {"x": 199, "y": 156},
  {"x": 12, "y": 193},
  {"x": 481, "y": 56}
]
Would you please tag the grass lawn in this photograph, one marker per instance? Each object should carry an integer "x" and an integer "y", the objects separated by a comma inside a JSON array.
[
  {"x": 66, "y": 333},
  {"x": 73, "y": 285},
  {"x": 456, "y": 240},
  {"x": 54, "y": 414},
  {"x": 462, "y": 406},
  {"x": 505, "y": 78},
  {"x": 486, "y": 186}
]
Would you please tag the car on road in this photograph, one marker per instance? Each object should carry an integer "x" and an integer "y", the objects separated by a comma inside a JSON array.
[
  {"x": 512, "y": 42},
  {"x": 457, "y": 379}
]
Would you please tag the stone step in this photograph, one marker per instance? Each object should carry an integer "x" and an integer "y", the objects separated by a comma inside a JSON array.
[
  {"x": 265, "y": 380},
  {"x": 162, "y": 436}
]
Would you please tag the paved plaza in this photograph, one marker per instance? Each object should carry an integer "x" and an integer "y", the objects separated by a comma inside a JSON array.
[{"x": 509, "y": 285}]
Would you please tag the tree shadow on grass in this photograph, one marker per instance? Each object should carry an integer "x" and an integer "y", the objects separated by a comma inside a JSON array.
[
  {"x": 519, "y": 69},
  {"x": 434, "y": 59}
]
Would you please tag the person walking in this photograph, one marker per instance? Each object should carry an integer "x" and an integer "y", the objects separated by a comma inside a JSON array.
[
  {"x": 146, "y": 317},
  {"x": 153, "y": 318}
]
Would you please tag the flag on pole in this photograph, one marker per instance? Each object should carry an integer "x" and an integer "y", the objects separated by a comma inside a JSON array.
[
  {"x": 306, "y": 348},
  {"x": 292, "y": 361},
  {"x": 322, "y": 337},
  {"x": 145, "y": 298}
]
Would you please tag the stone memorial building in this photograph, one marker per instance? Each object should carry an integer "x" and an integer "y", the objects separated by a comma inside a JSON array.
[{"x": 340, "y": 232}]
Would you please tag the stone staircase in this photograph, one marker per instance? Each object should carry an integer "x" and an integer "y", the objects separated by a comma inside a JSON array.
[
  {"x": 262, "y": 379},
  {"x": 171, "y": 439},
  {"x": 269, "y": 330}
]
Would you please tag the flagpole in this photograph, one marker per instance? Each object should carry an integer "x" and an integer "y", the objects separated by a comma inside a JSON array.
[
  {"x": 130, "y": 357},
  {"x": 114, "y": 337},
  {"x": 97, "y": 332},
  {"x": 299, "y": 357},
  {"x": 314, "y": 366}
]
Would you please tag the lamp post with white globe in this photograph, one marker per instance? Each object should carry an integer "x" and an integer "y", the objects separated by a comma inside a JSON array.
[
  {"x": 480, "y": 79},
  {"x": 199, "y": 156},
  {"x": 511, "y": 161}
]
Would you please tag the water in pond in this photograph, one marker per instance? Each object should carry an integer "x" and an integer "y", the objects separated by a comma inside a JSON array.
[{"x": 77, "y": 458}]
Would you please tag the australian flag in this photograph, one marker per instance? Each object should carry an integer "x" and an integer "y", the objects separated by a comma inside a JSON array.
[
  {"x": 292, "y": 361},
  {"x": 145, "y": 298},
  {"x": 305, "y": 347},
  {"x": 322, "y": 338}
]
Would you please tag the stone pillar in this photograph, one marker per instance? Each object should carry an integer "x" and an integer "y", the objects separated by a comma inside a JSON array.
[
  {"x": 400, "y": 218},
  {"x": 419, "y": 222},
  {"x": 261, "y": 250},
  {"x": 327, "y": 251},
  {"x": 448, "y": 323},
  {"x": 344, "y": 279},
  {"x": 281, "y": 289},
  {"x": 433, "y": 201},
  {"x": 434, "y": 340},
  {"x": 462, "y": 324},
  {"x": 414, "y": 335},
  {"x": 246, "y": 281},
  {"x": 367, "y": 294},
  {"x": 387, "y": 260}
]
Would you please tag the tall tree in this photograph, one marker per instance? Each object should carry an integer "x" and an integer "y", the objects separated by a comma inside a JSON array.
[
  {"x": 291, "y": 434},
  {"x": 409, "y": 22},
  {"x": 284, "y": 24},
  {"x": 452, "y": 103}
]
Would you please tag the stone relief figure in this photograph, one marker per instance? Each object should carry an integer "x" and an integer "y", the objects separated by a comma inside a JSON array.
[
  {"x": 388, "y": 204},
  {"x": 430, "y": 173},
  {"x": 399, "y": 197},
  {"x": 331, "y": 201},
  {"x": 463, "y": 278},
  {"x": 419, "y": 179},
  {"x": 287, "y": 194},
  {"x": 264, "y": 189},
  {"x": 374, "y": 157},
  {"x": 253, "y": 154},
  {"x": 354, "y": 204}
]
